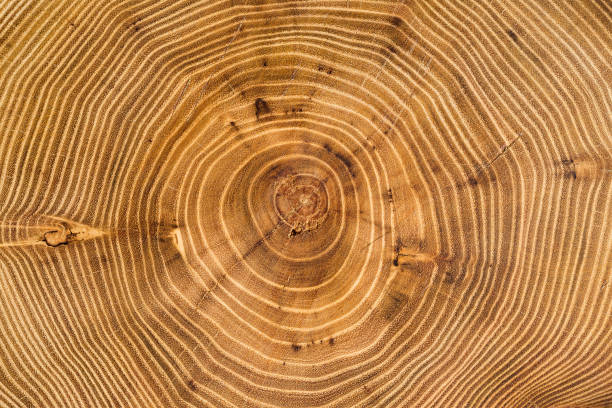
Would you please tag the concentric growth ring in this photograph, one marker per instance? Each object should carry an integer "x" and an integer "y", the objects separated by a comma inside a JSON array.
[{"x": 252, "y": 203}]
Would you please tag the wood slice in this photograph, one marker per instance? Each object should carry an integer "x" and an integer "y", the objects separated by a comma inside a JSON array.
[{"x": 253, "y": 203}]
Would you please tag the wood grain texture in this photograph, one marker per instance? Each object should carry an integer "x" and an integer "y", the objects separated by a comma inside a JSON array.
[{"x": 260, "y": 203}]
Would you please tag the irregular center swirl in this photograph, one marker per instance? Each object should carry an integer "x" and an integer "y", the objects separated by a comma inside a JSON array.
[{"x": 301, "y": 202}]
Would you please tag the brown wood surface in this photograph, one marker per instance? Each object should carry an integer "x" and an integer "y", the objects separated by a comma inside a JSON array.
[{"x": 260, "y": 203}]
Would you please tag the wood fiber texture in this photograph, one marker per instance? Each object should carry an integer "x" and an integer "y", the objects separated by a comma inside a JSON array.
[{"x": 260, "y": 203}]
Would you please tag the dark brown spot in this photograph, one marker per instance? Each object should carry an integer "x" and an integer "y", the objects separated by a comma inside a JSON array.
[
  {"x": 261, "y": 107},
  {"x": 134, "y": 24},
  {"x": 322, "y": 68},
  {"x": 396, "y": 252},
  {"x": 397, "y": 297},
  {"x": 397, "y": 246},
  {"x": 192, "y": 385},
  {"x": 512, "y": 35},
  {"x": 344, "y": 160},
  {"x": 571, "y": 168},
  {"x": 56, "y": 238},
  {"x": 331, "y": 341},
  {"x": 449, "y": 277},
  {"x": 452, "y": 275},
  {"x": 265, "y": 63},
  {"x": 398, "y": 300},
  {"x": 296, "y": 347},
  {"x": 472, "y": 181},
  {"x": 396, "y": 21}
]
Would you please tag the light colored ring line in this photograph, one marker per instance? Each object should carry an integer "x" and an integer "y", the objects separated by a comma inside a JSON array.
[
  {"x": 191, "y": 178},
  {"x": 272, "y": 304},
  {"x": 238, "y": 169}
]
